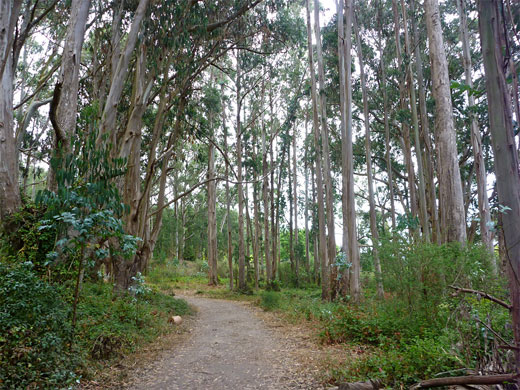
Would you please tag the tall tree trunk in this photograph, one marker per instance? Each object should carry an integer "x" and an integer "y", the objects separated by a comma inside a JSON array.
[
  {"x": 256, "y": 237},
  {"x": 182, "y": 243},
  {"x": 314, "y": 220},
  {"x": 64, "y": 106},
  {"x": 453, "y": 219},
  {"x": 323, "y": 254},
  {"x": 9, "y": 189},
  {"x": 274, "y": 237},
  {"x": 256, "y": 216},
  {"x": 327, "y": 172},
  {"x": 423, "y": 207},
  {"x": 342, "y": 68},
  {"x": 108, "y": 119},
  {"x": 476, "y": 140},
  {"x": 405, "y": 130},
  {"x": 212, "y": 217},
  {"x": 306, "y": 207},
  {"x": 249, "y": 229},
  {"x": 504, "y": 148},
  {"x": 265, "y": 196},
  {"x": 290, "y": 196},
  {"x": 352, "y": 247},
  {"x": 429, "y": 173},
  {"x": 368, "y": 155},
  {"x": 241, "y": 240},
  {"x": 388, "y": 155},
  {"x": 295, "y": 195},
  {"x": 228, "y": 198}
]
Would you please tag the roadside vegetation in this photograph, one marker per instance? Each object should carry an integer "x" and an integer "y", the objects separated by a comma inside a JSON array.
[
  {"x": 39, "y": 347},
  {"x": 421, "y": 329}
]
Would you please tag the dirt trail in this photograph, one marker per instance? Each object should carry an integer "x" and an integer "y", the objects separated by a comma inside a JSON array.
[{"x": 229, "y": 348}]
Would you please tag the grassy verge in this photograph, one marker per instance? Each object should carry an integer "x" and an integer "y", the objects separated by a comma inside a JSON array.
[{"x": 109, "y": 328}]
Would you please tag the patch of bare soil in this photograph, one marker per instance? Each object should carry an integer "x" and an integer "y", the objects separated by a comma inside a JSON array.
[{"x": 232, "y": 346}]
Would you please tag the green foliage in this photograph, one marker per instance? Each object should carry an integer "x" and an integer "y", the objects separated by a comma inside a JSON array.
[
  {"x": 107, "y": 328},
  {"x": 404, "y": 364},
  {"x": 35, "y": 338},
  {"x": 22, "y": 240},
  {"x": 418, "y": 275},
  {"x": 419, "y": 329},
  {"x": 35, "y": 342},
  {"x": 270, "y": 300},
  {"x": 86, "y": 206},
  {"x": 273, "y": 285}
]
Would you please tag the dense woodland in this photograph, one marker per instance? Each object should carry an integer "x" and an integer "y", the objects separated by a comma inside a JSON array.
[{"x": 355, "y": 162}]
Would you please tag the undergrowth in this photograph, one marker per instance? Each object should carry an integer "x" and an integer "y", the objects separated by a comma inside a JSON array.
[
  {"x": 418, "y": 331},
  {"x": 39, "y": 347}
]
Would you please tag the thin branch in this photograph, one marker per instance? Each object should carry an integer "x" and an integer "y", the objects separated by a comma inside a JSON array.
[
  {"x": 509, "y": 346},
  {"x": 213, "y": 26},
  {"x": 466, "y": 380},
  {"x": 483, "y": 295},
  {"x": 189, "y": 191}
]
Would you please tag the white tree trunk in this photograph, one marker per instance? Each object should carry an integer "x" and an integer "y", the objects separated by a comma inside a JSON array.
[{"x": 453, "y": 219}]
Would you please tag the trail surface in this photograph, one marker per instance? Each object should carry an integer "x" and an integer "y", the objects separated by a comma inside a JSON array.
[{"x": 229, "y": 348}]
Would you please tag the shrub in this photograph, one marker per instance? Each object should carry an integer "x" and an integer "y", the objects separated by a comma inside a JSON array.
[
  {"x": 403, "y": 365},
  {"x": 418, "y": 275},
  {"x": 270, "y": 300},
  {"x": 22, "y": 240},
  {"x": 107, "y": 327},
  {"x": 35, "y": 337}
]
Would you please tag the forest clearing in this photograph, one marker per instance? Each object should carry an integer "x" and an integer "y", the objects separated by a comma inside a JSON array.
[{"x": 259, "y": 194}]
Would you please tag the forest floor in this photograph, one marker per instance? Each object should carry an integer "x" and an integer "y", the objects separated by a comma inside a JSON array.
[{"x": 233, "y": 345}]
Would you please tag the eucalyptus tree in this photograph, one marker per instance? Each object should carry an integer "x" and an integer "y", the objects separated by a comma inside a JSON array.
[
  {"x": 163, "y": 84},
  {"x": 476, "y": 139},
  {"x": 212, "y": 108},
  {"x": 238, "y": 128},
  {"x": 429, "y": 174},
  {"x": 9, "y": 191},
  {"x": 64, "y": 105},
  {"x": 453, "y": 219},
  {"x": 322, "y": 247},
  {"x": 423, "y": 213},
  {"x": 505, "y": 152},
  {"x": 327, "y": 172},
  {"x": 368, "y": 155},
  {"x": 18, "y": 20}
]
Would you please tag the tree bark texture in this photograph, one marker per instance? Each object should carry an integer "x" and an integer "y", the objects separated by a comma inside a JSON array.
[
  {"x": 9, "y": 189},
  {"x": 476, "y": 139},
  {"x": 453, "y": 219},
  {"x": 504, "y": 148}
]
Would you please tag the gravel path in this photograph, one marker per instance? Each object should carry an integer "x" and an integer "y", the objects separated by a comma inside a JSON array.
[{"x": 229, "y": 348}]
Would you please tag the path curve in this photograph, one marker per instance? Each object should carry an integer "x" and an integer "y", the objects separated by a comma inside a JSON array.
[{"x": 229, "y": 348}]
